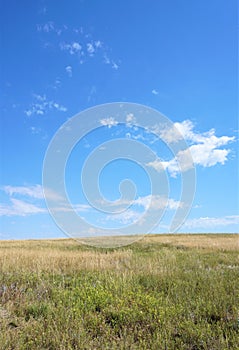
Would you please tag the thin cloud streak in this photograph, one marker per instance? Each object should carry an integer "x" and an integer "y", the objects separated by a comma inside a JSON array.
[{"x": 212, "y": 222}]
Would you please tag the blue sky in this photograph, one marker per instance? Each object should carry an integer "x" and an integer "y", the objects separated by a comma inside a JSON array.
[{"x": 62, "y": 57}]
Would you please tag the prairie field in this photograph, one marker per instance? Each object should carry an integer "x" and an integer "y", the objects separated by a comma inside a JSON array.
[{"x": 162, "y": 292}]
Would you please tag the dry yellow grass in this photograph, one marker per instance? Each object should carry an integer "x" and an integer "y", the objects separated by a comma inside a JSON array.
[
  {"x": 64, "y": 255},
  {"x": 210, "y": 241},
  {"x": 52, "y": 260}
]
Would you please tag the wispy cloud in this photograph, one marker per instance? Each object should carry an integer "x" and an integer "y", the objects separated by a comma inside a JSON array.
[
  {"x": 19, "y": 207},
  {"x": 112, "y": 63},
  {"x": 139, "y": 206},
  {"x": 50, "y": 26},
  {"x": 155, "y": 92},
  {"x": 35, "y": 130},
  {"x": 212, "y": 222},
  {"x": 57, "y": 84},
  {"x": 125, "y": 218},
  {"x": 155, "y": 202},
  {"x": 204, "y": 148},
  {"x": 69, "y": 71},
  {"x": 30, "y": 191},
  {"x": 78, "y": 42},
  {"x": 42, "y": 105},
  {"x": 46, "y": 27},
  {"x": 115, "y": 65},
  {"x": 29, "y": 200}
]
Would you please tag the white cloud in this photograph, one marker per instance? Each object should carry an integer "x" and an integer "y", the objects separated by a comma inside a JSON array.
[
  {"x": 30, "y": 191},
  {"x": 106, "y": 59},
  {"x": 52, "y": 195},
  {"x": 206, "y": 155},
  {"x": 98, "y": 44},
  {"x": 51, "y": 27},
  {"x": 115, "y": 65},
  {"x": 56, "y": 84},
  {"x": 81, "y": 43},
  {"x": 125, "y": 218},
  {"x": 211, "y": 222},
  {"x": 59, "y": 107},
  {"x": 35, "y": 130},
  {"x": 73, "y": 48},
  {"x": 46, "y": 27},
  {"x": 156, "y": 202},
  {"x": 21, "y": 201},
  {"x": 35, "y": 191},
  {"x": 130, "y": 118},
  {"x": 69, "y": 71},
  {"x": 81, "y": 207},
  {"x": 78, "y": 30},
  {"x": 203, "y": 148},
  {"x": 108, "y": 122},
  {"x": 155, "y": 92},
  {"x": 90, "y": 49},
  {"x": 42, "y": 105},
  {"x": 20, "y": 208}
]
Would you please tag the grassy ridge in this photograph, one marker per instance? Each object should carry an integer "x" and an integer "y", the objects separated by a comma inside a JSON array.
[{"x": 163, "y": 292}]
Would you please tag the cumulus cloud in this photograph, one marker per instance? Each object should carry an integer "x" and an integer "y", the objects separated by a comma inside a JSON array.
[
  {"x": 42, "y": 105},
  {"x": 204, "y": 149},
  {"x": 155, "y": 92}
]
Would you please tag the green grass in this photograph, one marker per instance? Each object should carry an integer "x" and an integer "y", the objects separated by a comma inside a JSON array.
[{"x": 160, "y": 293}]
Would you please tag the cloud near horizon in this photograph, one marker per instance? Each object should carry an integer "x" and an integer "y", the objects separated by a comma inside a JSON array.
[{"x": 211, "y": 222}]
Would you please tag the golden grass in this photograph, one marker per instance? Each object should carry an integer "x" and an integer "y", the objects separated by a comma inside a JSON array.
[
  {"x": 67, "y": 255},
  {"x": 210, "y": 241},
  {"x": 38, "y": 260}
]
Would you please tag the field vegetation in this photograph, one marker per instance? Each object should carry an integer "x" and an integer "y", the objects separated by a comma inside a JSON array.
[{"x": 162, "y": 292}]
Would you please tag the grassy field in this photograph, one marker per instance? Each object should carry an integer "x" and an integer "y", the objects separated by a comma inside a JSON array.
[{"x": 163, "y": 292}]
